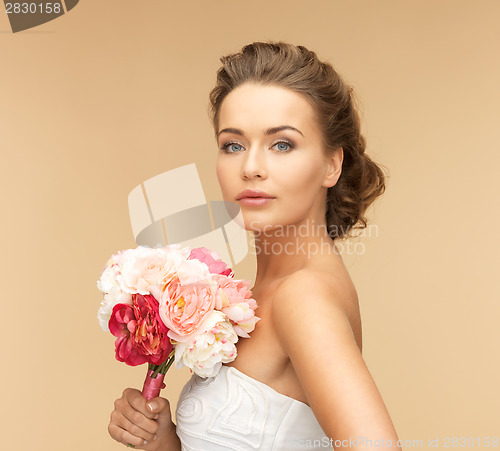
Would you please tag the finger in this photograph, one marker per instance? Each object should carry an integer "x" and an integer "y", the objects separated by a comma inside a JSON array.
[
  {"x": 159, "y": 407},
  {"x": 124, "y": 406},
  {"x": 125, "y": 437},
  {"x": 138, "y": 402},
  {"x": 135, "y": 422}
]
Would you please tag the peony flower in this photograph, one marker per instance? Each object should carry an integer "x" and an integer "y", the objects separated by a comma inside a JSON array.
[
  {"x": 145, "y": 266},
  {"x": 108, "y": 280},
  {"x": 242, "y": 317},
  {"x": 234, "y": 299},
  {"x": 192, "y": 272},
  {"x": 107, "y": 305},
  {"x": 205, "y": 352},
  {"x": 212, "y": 259},
  {"x": 141, "y": 335},
  {"x": 173, "y": 304},
  {"x": 183, "y": 307},
  {"x": 110, "y": 286},
  {"x": 122, "y": 325},
  {"x": 134, "y": 270},
  {"x": 151, "y": 334}
]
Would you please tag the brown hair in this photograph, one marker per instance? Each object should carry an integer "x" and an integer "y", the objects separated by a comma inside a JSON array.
[{"x": 299, "y": 69}]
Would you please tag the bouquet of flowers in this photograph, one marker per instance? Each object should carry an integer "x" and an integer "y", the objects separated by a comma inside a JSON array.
[{"x": 172, "y": 304}]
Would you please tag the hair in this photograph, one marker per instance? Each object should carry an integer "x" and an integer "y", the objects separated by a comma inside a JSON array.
[{"x": 299, "y": 69}]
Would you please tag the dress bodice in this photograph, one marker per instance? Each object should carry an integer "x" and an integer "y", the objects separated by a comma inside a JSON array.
[{"x": 232, "y": 411}]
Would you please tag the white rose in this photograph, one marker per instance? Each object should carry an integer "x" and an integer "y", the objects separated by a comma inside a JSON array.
[{"x": 206, "y": 352}]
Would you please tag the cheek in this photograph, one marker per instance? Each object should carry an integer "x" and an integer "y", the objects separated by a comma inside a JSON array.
[
  {"x": 224, "y": 174},
  {"x": 218, "y": 171},
  {"x": 299, "y": 179}
]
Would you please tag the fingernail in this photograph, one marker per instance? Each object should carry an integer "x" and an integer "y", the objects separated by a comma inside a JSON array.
[
  {"x": 145, "y": 442},
  {"x": 157, "y": 416},
  {"x": 154, "y": 438},
  {"x": 152, "y": 406}
]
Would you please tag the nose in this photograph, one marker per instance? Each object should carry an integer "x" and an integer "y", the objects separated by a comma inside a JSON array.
[{"x": 254, "y": 165}]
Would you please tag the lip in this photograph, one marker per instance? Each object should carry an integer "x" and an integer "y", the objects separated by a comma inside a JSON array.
[
  {"x": 255, "y": 201},
  {"x": 254, "y": 194}
]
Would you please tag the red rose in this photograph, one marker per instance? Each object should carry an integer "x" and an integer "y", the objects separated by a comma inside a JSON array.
[{"x": 141, "y": 335}]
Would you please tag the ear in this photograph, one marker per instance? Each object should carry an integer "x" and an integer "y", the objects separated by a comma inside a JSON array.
[{"x": 334, "y": 167}]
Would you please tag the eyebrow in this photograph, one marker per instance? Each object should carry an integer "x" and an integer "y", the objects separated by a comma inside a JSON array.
[{"x": 269, "y": 131}]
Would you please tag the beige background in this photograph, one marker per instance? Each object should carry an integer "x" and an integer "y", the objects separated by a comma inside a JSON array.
[{"x": 116, "y": 91}]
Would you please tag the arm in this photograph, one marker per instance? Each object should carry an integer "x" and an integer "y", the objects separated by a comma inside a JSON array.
[{"x": 315, "y": 332}]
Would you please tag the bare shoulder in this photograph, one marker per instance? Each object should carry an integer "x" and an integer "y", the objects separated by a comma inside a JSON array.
[
  {"x": 310, "y": 314},
  {"x": 318, "y": 294},
  {"x": 322, "y": 281}
]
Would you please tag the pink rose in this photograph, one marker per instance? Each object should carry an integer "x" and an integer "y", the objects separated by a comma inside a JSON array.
[
  {"x": 141, "y": 335},
  {"x": 211, "y": 259},
  {"x": 183, "y": 307}
]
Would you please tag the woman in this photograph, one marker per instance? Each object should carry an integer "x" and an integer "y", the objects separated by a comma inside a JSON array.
[{"x": 288, "y": 132}]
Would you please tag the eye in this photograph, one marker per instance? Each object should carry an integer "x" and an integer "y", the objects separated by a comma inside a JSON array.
[
  {"x": 234, "y": 147},
  {"x": 284, "y": 146},
  {"x": 226, "y": 146}
]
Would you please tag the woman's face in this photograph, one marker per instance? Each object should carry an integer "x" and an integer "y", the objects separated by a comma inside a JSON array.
[{"x": 288, "y": 164}]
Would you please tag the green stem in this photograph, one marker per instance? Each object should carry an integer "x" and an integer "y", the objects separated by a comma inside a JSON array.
[
  {"x": 170, "y": 361},
  {"x": 163, "y": 367}
]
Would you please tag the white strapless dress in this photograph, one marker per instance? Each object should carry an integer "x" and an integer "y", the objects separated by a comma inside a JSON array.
[{"x": 234, "y": 411}]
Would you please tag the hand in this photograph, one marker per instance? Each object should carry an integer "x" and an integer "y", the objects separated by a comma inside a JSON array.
[{"x": 145, "y": 424}]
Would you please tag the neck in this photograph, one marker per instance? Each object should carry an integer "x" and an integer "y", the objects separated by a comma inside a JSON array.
[{"x": 285, "y": 249}]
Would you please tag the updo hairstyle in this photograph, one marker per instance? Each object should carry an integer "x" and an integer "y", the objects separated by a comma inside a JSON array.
[{"x": 299, "y": 69}]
